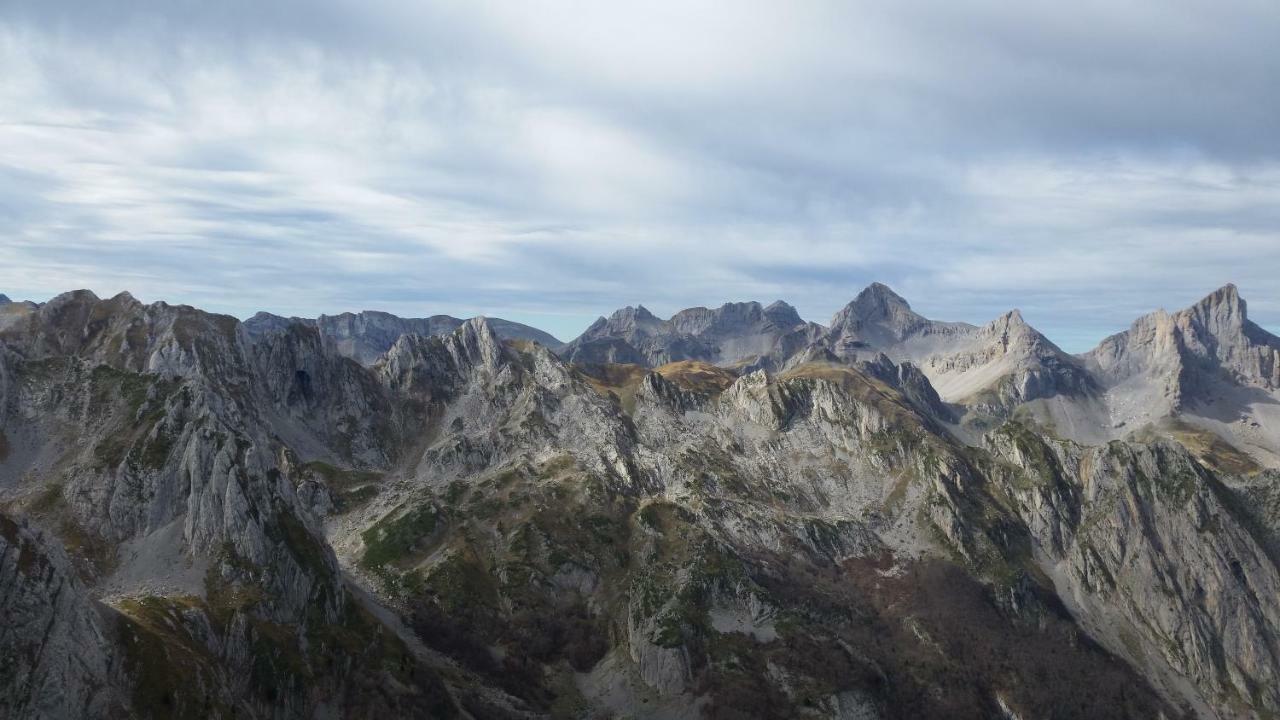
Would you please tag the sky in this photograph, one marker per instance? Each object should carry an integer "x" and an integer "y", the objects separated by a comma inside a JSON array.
[{"x": 548, "y": 162}]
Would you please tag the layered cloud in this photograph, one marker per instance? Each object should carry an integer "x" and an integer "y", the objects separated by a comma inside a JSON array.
[{"x": 547, "y": 161}]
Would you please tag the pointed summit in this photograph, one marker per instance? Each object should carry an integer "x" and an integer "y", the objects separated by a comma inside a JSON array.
[
  {"x": 4, "y": 299},
  {"x": 1222, "y": 310},
  {"x": 876, "y": 315},
  {"x": 1168, "y": 362},
  {"x": 880, "y": 299},
  {"x": 480, "y": 340},
  {"x": 782, "y": 314},
  {"x": 1228, "y": 294},
  {"x": 1009, "y": 320},
  {"x": 631, "y": 314}
]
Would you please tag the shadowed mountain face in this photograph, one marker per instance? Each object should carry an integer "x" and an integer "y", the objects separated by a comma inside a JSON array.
[
  {"x": 727, "y": 514},
  {"x": 365, "y": 336},
  {"x": 735, "y": 334}
]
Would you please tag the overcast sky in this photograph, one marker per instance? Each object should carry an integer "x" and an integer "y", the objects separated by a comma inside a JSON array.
[{"x": 548, "y": 162}]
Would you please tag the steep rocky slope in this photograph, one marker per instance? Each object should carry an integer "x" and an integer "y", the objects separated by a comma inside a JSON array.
[
  {"x": 1144, "y": 545},
  {"x": 58, "y": 660},
  {"x": 722, "y": 551},
  {"x": 145, "y": 438},
  {"x": 201, "y": 521}
]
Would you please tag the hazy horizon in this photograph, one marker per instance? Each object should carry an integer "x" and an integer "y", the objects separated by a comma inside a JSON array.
[{"x": 575, "y": 330}]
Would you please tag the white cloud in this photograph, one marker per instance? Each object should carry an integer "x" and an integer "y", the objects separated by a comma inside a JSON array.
[{"x": 553, "y": 160}]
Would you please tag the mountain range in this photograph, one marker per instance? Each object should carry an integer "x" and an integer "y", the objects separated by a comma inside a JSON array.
[
  {"x": 732, "y": 513},
  {"x": 366, "y": 336}
]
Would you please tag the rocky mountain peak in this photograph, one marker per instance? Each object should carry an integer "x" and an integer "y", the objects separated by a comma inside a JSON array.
[
  {"x": 878, "y": 305},
  {"x": 878, "y": 297},
  {"x": 439, "y": 363},
  {"x": 735, "y": 332},
  {"x": 4, "y": 299},
  {"x": 263, "y": 321},
  {"x": 632, "y": 316},
  {"x": 1223, "y": 312},
  {"x": 1199, "y": 357},
  {"x": 70, "y": 298},
  {"x": 1014, "y": 329},
  {"x": 627, "y": 323},
  {"x": 749, "y": 309},
  {"x": 1013, "y": 317},
  {"x": 1228, "y": 295},
  {"x": 877, "y": 316},
  {"x": 782, "y": 314},
  {"x": 476, "y": 340}
]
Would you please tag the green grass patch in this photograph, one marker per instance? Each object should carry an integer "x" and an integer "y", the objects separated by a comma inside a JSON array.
[
  {"x": 461, "y": 583},
  {"x": 393, "y": 539},
  {"x": 336, "y": 478},
  {"x": 349, "y": 488},
  {"x": 48, "y": 500}
]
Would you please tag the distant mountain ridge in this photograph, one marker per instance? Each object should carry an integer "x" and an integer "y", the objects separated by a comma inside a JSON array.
[
  {"x": 732, "y": 334},
  {"x": 960, "y": 359},
  {"x": 367, "y": 335},
  {"x": 1167, "y": 366}
]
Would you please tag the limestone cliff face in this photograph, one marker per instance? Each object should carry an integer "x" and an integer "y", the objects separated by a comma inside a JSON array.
[
  {"x": 322, "y": 401},
  {"x": 150, "y": 438},
  {"x": 154, "y": 415},
  {"x": 1217, "y": 331},
  {"x": 58, "y": 660},
  {"x": 491, "y": 404},
  {"x": 1205, "y": 371},
  {"x": 1182, "y": 352},
  {"x": 1147, "y": 544}
]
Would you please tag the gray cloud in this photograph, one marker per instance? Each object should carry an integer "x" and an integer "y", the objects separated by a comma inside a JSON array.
[{"x": 550, "y": 161}]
